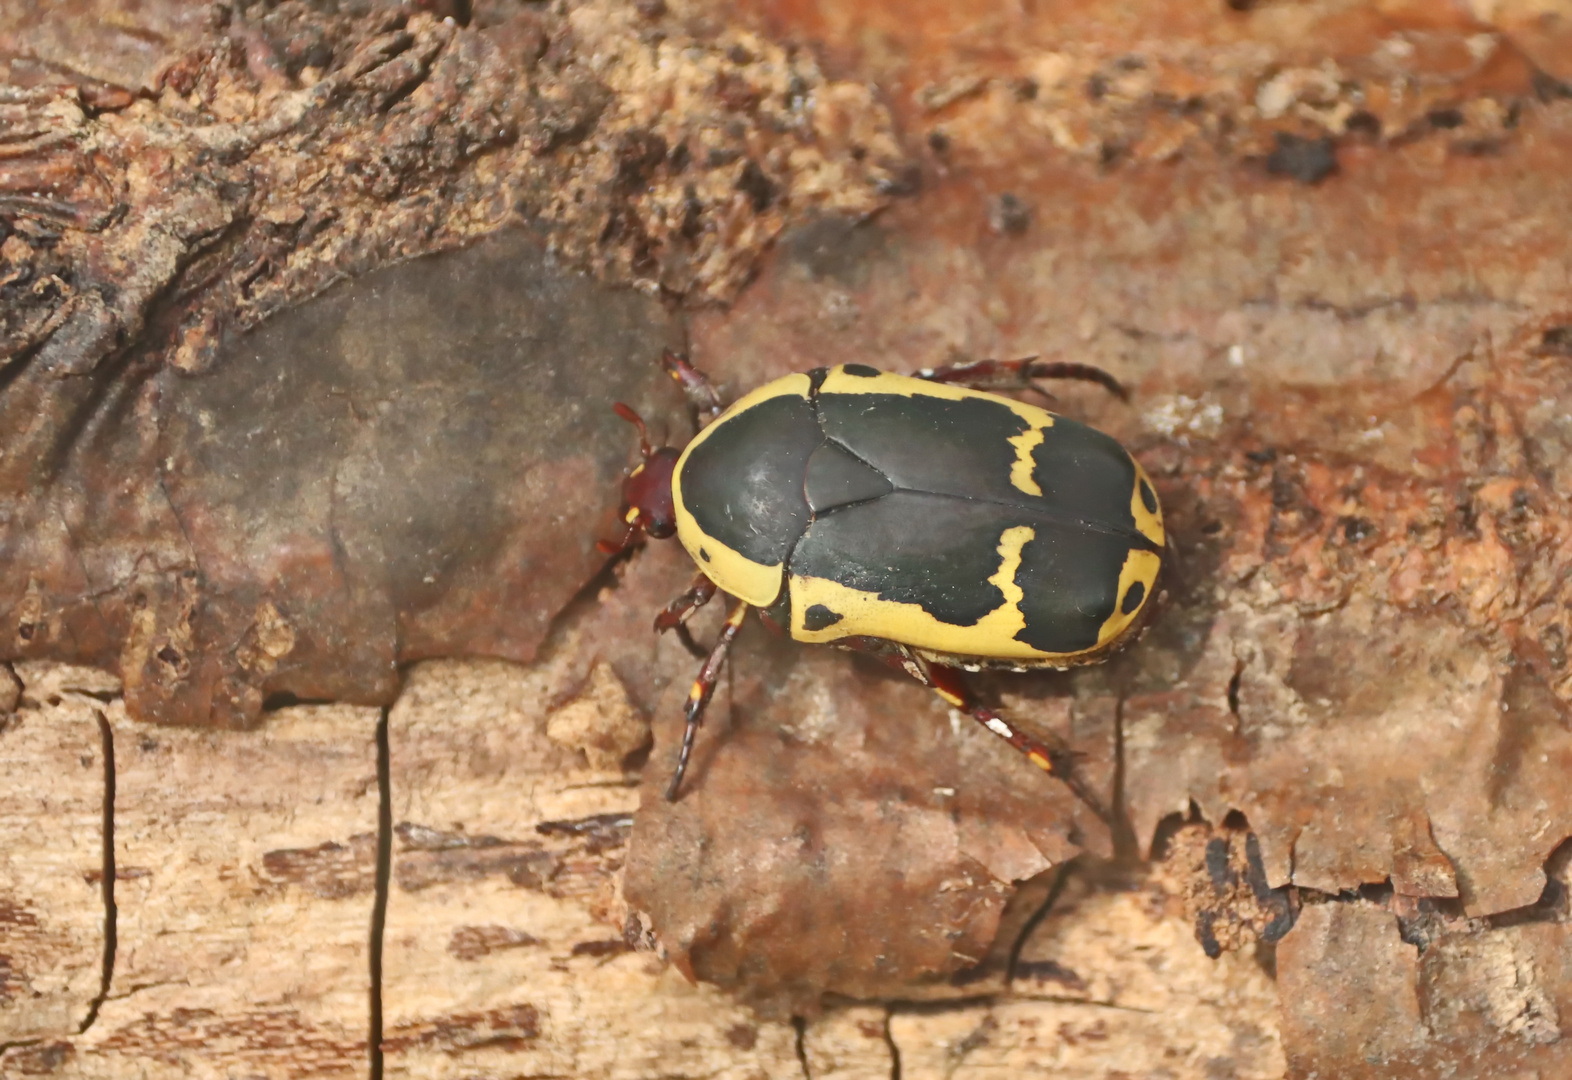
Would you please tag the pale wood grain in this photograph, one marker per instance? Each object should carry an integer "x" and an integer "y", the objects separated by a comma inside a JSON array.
[
  {"x": 51, "y": 862},
  {"x": 505, "y": 951},
  {"x": 247, "y": 870},
  {"x": 245, "y": 877}
]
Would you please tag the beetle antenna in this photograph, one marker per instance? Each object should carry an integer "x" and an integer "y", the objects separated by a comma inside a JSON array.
[{"x": 637, "y": 421}]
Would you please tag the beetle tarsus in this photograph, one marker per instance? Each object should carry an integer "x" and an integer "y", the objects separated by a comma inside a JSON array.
[
  {"x": 703, "y": 689},
  {"x": 676, "y": 614},
  {"x": 700, "y": 592}
]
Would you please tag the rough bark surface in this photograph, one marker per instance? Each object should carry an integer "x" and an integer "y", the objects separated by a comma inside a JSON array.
[{"x": 1325, "y": 244}]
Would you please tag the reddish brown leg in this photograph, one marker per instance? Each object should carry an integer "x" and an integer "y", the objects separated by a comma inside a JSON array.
[
  {"x": 676, "y": 614},
  {"x": 695, "y": 385},
  {"x": 1007, "y": 374},
  {"x": 1058, "y": 762},
  {"x": 703, "y": 689}
]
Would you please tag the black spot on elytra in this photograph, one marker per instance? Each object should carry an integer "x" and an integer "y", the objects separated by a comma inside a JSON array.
[
  {"x": 818, "y": 617},
  {"x": 1148, "y": 497},
  {"x": 704, "y": 555},
  {"x": 862, "y": 371},
  {"x": 1133, "y": 597}
]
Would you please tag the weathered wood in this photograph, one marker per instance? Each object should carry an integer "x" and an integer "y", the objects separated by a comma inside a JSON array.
[
  {"x": 51, "y": 863},
  {"x": 245, "y": 874},
  {"x": 506, "y": 951}
]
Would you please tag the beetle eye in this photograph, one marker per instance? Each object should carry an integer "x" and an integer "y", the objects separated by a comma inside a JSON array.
[{"x": 660, "y": 528}]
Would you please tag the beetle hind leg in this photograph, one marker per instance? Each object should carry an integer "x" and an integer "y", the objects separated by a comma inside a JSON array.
[
  {"x": 703, "y": 689},
  {"x": 1021, "y": 374},
  {"x": 1056, "y": 761}
]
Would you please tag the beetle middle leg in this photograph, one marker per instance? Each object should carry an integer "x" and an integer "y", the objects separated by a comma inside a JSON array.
[
  {"x": 1020, "y": 374},
  {"x": 703, "y": 689},
  {"x": 1058, "y": 762}
]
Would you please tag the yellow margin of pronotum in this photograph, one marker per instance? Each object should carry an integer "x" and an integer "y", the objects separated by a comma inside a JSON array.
[{"x": 753, "y": 582}]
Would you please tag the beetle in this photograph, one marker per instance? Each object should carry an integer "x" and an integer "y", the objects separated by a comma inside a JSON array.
[{"x": 920, "y": 518}]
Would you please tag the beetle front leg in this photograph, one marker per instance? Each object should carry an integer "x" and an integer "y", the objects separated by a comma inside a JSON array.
[
  {"x": 1019, "y": 374},
  {"x": 676, "y": 614},
  {"x": 703, "y": 689},
  {"x": 1058, "y": 762},
  {"x": 695, "y": 385}
]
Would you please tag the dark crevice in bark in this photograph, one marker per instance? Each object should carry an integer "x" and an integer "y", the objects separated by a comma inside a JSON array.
[
  {"x": 379, "y": 907},
  {"x": 799, "y": 1024},
  {"x": 107, "y": 870},
  {"x": 889, "y": 1041},
  {"x": 585, "y": 600},
  {"x": 1061, "y": 879},
  {"x": 1126, "y": 848}
]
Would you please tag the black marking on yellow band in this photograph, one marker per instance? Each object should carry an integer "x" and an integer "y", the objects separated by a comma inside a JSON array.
[
  {"x": 818, "y": 616},
  {"x": 1148, "y": 496},
  {"x": 1133, "y": 597},
  {"x": 862, "y": 371}
]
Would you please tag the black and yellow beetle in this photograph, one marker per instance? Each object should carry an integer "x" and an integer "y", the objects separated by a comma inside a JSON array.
[{"x": 935, "y": 524}]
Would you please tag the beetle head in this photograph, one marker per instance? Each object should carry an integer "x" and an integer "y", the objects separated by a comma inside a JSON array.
[{"x": 647, "y": 505}]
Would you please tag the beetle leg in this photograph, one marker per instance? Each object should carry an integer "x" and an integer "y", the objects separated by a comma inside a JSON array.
[
  {"x": 703, "y": 689},
  {"x": 1004, "y": 374},
  {"x": 695, "y": 385},
  {"x": 676, "y": 614},
  {"x": 1058, "y": 762}
]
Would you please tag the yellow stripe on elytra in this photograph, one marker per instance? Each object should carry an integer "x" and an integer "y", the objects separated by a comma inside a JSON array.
[
  {"x": 1139, "y": 566},
  {"x": 1023, "y": 466},
  {"x": 739, "y": 575},
  {"x": 865, "y": 613}
]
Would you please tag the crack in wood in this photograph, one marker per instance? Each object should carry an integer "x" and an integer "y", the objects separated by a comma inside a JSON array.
[
  {"x": 379, "y": 907},
  {"x": 107, "y": 875}
]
